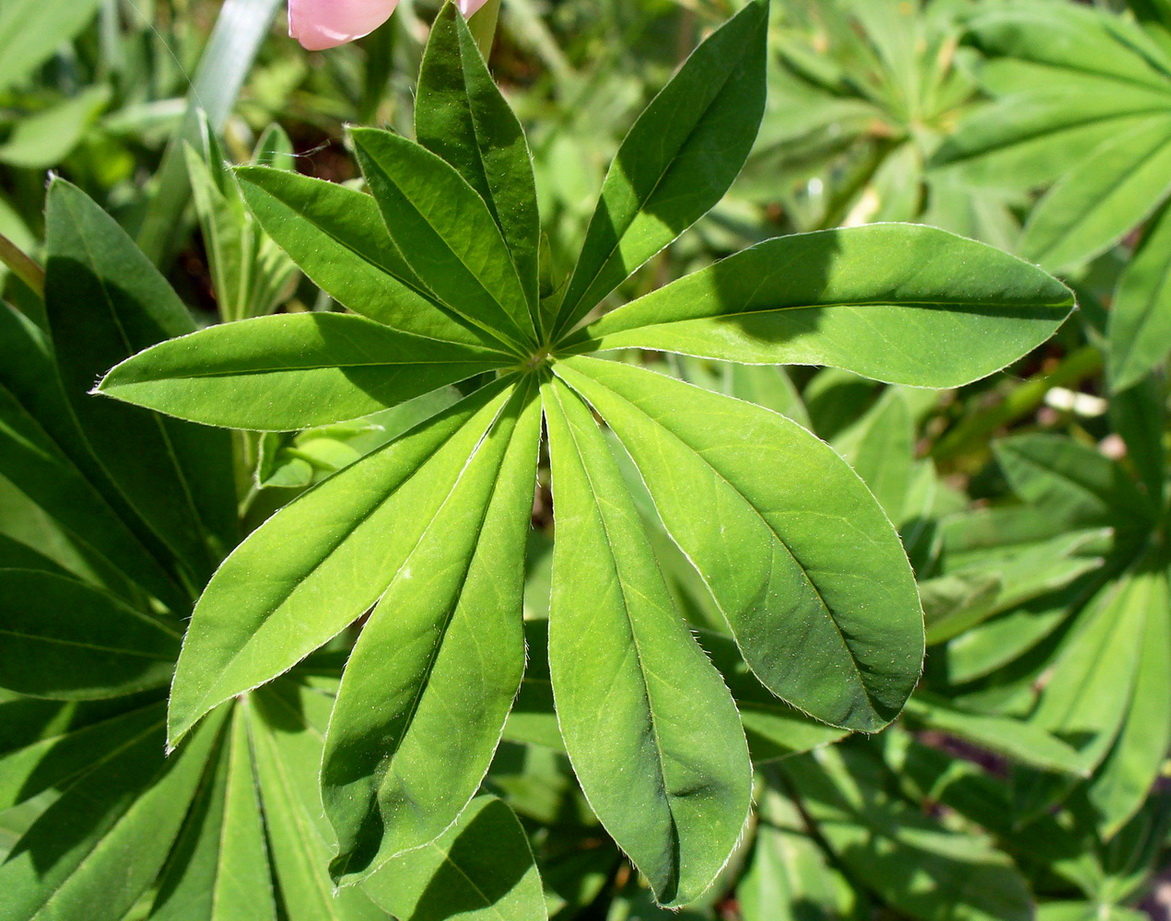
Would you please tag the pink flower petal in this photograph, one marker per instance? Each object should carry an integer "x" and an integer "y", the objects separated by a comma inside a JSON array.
[
  {"x": 321, "y": 24},
  {"x": 467, "y": 7}
]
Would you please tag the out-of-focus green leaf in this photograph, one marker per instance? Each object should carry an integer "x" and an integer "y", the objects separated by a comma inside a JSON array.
[
  {"x": 898, "y": 303},
  {"x": 105, "y": 301},
  {"x": 97, "y": 848},
  {"x": 31, "y": 31},
  {"x": 67, "y": 641},
  {"x": 1072, "y": 484},
  {"x": 789, "y": 877},
  {"x": 1018, "y": 740},
  {"x": 46, "y": 138},
  {"x": 922, "y": 869},
  {"x": 480, "y": 869},
  {"x": 1093, "y": 206},
  {"x": 1126, "y": 777},
  {"x": 1140, "y": 322}
]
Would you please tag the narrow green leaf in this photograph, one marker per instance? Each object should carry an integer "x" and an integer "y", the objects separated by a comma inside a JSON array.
[
  {"x": 1076, "y": 38},
  {"x": 1125, "y": 779},
  {"x": 481, "y": 869},
  {"x": 1036, "y": 135},
  {"x": 96, "y": 849},
  {"x": 321, "y": 561},
  {"x": 1092, "y": 683},
  {"x": 789, "y": 875},
  {"x": 629, "y": 678},
  {"x": 677, "y": 161},
  {"x": 105, "y": 301},
  {"x": 805, "y": 567},
  {"x": 461, "y": 116},
  {"x": 1020, "y": 741},
  {"x": 1140, "y": 321},
  {"x": 337, "y": 238},
  {"x": 64, "y": 640},
  {"x": 240, "y": 29},
  {"x": 46, "y": 456},
  {"x": 218, "y": 870},
  {"x": 287, "y": 721},
  {"x": 897, "y": 303},
  {"x": 1096, "y": 204},
  {"x": 919, "y": 867},
  {"x": 35, "y": 465},
  {"x": 64, "y": 753},
  {"x": 430, "y": 682},
  {"x": 446, "y": 234},
  {"x": 1072, "y": 483},
  {"x": 290, "y": 372}
]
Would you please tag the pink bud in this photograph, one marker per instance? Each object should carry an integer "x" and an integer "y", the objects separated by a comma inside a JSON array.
[
  {"x": 320, "y": 24},
  {"x": 467, "y": 7}
]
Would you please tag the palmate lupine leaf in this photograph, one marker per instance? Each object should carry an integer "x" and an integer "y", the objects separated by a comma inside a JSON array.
[{"x": 428, "y": 532}]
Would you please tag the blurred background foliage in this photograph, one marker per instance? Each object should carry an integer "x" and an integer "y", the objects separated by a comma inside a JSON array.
[{"x": 1028, "y": 776}]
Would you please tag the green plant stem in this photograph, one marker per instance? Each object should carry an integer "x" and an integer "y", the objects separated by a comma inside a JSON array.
[
  {"x": 1074, "y": 368},
  {"x": 23, "y": 265}
]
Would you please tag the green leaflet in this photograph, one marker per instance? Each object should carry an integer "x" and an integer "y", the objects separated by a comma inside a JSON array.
[
  {"x": 105, "y": 301},
  {"x": 1125, "y": 778},
  {"x": 629, "y": 679},
  {"x": 286, "y": 722},
  {"x": 1078, "y": 39},
  {"x": 677, "y": 161},
  {"x": 337, "y": 238},
  {"x": 898, "y": 303},
  {"x": 273, "y": 602},
  {"x": 1034, "y": 135},
  {"x": 57, "y": 756},
  {"x": 1021, "y": 741},
  {"x": 1092, "y": 684},
  {"x": 1073, "y": 484},
  {"x": 1094, "y": 205},
  {"x": 1140, "y": 321},
  {"x": 290, "y": 372},
  {"x": 461, "y": 116},
  {"x": 62, "y": 639},
  {"x": 97, "y": 848},
  {"x": 446, "y": 234},
  {"x": 47, "y": 457},
  {"x": 481, "y": 869},
  {"x": 430, "y": 681},
  {"x": 218, "y": 870},
  {"x": 805, "y": 567}
]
